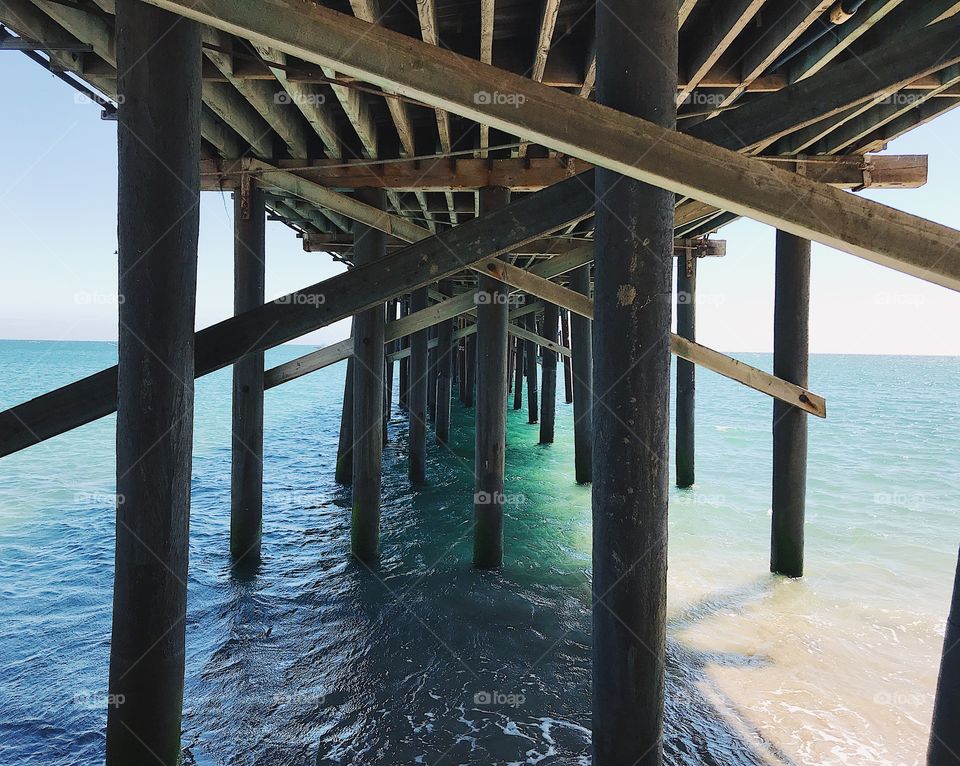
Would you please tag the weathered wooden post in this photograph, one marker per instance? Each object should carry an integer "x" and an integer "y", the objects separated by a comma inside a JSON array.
[
  {"x": 470, "y": 369},
  {"x": 686, "y": 382},
  {"x": 791, "y": 315},
  {"x": 388, "y": 374},
  {"x": 417, "y": 395},
  {"x": 548, "y": 396},
  {"x": 581, "y": 347},
  {"x": 519, "y": 355},
  {"x": 246, "y": 466},
  {"x": 462, "y": 366},
  {"x": 636, "y": 73},
  {"x": 944, "y": 731},
  {"x": 491, "y": 422},
  {"x": 432, "y": 375},
  {"x": 530, "y": 365},
  {"x": 405, "y": 362},
  {"x": 158, "y": 225},
  {"x": 343, "y": 472},
  {"x": 445, "y": 359},
  {"x": 567, "y": 366},
  {"x": 368, "y": 356}
]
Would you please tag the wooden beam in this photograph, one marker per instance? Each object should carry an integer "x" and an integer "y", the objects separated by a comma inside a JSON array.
[
  {"x": 537, "y": 283},
  {"x": 406, "y": 325},
  {"x": 628, "y": 145},
  {"x": 685, "y": 349},
  {"x": 529, "y": 174},
  {"x": 317, "y": 306}
]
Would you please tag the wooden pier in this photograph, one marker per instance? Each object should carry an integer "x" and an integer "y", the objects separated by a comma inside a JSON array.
[{"x": 509, "y": 186}]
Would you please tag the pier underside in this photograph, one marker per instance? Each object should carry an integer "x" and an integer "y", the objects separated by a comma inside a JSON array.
[{"x": 488, "y": 172}]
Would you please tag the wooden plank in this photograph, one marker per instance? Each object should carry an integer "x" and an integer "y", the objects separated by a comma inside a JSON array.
[{"x": 627, "y": 145}]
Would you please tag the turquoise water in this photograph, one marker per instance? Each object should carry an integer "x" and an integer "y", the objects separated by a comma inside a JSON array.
[{"x": 319, "y": 660}]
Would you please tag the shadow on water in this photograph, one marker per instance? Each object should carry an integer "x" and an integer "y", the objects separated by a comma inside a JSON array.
[
  {"x": 702, "y": 724},
  {"x": 422, "y": 659}
]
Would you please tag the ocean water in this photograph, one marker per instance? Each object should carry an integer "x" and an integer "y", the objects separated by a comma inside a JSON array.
[{"x": 319, "y": 660}]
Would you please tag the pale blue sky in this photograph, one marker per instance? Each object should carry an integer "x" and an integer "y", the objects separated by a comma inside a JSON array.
[{"x": 58, "y": 223}]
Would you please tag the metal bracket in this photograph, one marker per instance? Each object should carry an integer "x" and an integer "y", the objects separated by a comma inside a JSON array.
[{"x": 867, "y": 169}]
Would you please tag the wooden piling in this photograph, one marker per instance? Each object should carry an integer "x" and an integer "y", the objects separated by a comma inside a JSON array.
[
  {"x": 368, "y": 397},
  {"x": 567, "y": 365},
  {"x": 686, "y": 376},
  {"x": 530, "y": 366},
  {"x": 445, "y": 365},
  {"x": 791, "y": 315},
  {"x": 519, "y": 356},
  {"x": 432, "y": 375},
  {"x": 404, "y": 386},
  {"x": 470, "y": 370},
  {"x": 158, "y": 224},
  {"x": 388, "y": 372},
  {"x": 246, "y": 466},
  {"x": 548, "y": 394},
  {"x": 343, "y": 472},
  {"x": 637, "y": 74},
  {"x": 944, "y": 731},
  {"x": 462, "y": 367},
  {"x": 417, "y": 395},
  {"x": 581, "y": 349},
  {"x": 491, "y": 415}
]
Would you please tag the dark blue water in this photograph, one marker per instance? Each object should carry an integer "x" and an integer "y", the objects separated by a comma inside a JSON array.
[{"x": 424, "y": 660}]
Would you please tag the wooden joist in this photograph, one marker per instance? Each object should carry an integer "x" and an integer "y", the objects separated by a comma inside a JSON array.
[
  {"x": 597, "y": 134},
  {"x": 716, "y": 29},
  {"x": 901, "y": 61},
  {"x": 828, "y": 47}
]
